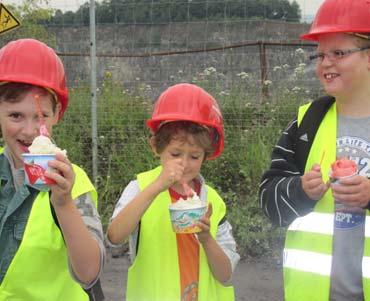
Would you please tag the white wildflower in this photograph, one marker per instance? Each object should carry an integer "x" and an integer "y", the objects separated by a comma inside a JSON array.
[
  {"x": 299, "y": 51},
  {"x": 243, "y": 75},
  {"x": 211, "y": 69},
  {"x": 299, "y": 71}
]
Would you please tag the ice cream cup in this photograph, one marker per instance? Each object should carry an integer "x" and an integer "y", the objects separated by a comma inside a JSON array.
[
  {"x": 35, "y": 166},
  {"x": 187, "y": 220},
  {"x": 341, "y": 169},
  {"x": 336, "y": 180}
]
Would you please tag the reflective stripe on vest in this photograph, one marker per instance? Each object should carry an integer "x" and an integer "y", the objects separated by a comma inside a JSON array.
[
  {"x": 154, "y": 275},
  {"x": 307, "y": 261},
  {"x": 314, "y": 222},
  {"x": 309, "y": 239},
  {"x": 39, "y": 270}
]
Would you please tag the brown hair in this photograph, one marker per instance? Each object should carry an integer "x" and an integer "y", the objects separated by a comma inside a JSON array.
[
  {"x": 169, "y": 131},
  {"x": 14, "y": 92},
  {"x": 362, "y": 39}
]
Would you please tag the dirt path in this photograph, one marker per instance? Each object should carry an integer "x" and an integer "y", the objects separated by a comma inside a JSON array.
[{"x": 253, "y": 280}]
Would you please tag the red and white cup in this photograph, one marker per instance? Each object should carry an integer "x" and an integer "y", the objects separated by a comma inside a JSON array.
[{"x": 35, "y": 166}]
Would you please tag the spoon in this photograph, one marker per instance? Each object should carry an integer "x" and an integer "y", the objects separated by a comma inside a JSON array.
[
  {"x": 43, "y": 129},
  {"x": 189, "y": 192}
]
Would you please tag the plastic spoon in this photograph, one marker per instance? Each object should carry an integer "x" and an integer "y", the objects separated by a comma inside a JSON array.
[
  {"x": 189, "y": 192},
  {"x": 43, "y": 129},
  {"x": 322, "y": 157}
]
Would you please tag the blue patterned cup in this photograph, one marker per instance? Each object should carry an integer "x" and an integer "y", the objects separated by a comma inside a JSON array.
[{"x": 186, "y": 220}]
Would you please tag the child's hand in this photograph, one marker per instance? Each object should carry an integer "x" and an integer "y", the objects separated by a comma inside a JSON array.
[
  {"x": 64, "y": 177},
  {"x": 204, "y": 224},
  {"x": 172, "y": 172},
  {"x": 353, "y": 191},
  {"x": 312, "y": 183}
]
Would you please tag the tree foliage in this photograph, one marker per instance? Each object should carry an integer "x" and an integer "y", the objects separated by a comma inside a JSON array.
[
  {"x": 31, "y": 15},
  {"x": 165, "y": 11}
]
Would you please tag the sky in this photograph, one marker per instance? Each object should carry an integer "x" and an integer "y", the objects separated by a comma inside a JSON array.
[{"x": 308, "y": 7}]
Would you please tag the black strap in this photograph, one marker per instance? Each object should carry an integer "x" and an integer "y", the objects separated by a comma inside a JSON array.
[
  {"x": 308, "y": 127},
  {"x": 138, "y": 237},
  {"x": 222, "y": 220},
  {"x": 95, "y": 292}
]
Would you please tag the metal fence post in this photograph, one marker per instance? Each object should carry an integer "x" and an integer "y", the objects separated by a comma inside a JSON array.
[
  {"x": 94, "y": 129},
  {"x": 263, "y": 66}
]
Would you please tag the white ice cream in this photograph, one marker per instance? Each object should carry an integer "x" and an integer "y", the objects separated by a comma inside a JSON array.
[
  {"x": 189, "y": 203},
  {"x": 43, "y": 145}
]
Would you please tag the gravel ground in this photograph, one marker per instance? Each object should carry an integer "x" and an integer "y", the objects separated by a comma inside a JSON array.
[{"x": 254, "y": 280}]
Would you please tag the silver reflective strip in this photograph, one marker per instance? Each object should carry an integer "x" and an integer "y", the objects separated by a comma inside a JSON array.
[
  {"x": 314, "y": 222},
  {"x": 307, "y": 261},
  {"x": 367, "y": 226},
  {"x": 366, "y": 267}
]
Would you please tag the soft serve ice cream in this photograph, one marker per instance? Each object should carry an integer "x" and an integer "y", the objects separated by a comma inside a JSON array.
[
  {"x": 189, "y": 203},
  {"x": 343, "y": 167},
  {"x": 43, "y": 145}
]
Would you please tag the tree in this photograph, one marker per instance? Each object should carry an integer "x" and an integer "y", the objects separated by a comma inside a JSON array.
[
  {"x": 32, "y": 17},
  {"x": 165, "y": 11}
]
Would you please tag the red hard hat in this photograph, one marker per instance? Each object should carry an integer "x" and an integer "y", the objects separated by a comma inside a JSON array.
[
  {"x": 335, "y": 16},
  {"x": 33, "y": 62},
  {"x": 189, "y": 102}
]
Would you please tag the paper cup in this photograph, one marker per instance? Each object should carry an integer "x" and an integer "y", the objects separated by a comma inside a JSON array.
[
  {"x": 186, "y": 220},
  {"x": 35, "y": 166},
  {"x": 335, "y": 180}
]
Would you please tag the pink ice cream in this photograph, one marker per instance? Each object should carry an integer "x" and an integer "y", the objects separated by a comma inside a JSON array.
[{"x": 343, "y": 167}]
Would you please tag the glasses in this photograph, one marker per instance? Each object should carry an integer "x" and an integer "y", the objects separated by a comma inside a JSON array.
[{"x": 335, "y": 55}]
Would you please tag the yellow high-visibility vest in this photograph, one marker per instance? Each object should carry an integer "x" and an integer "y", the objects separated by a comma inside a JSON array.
[
  {"x": 154, "y": 275},
  {"x": 309, "y": 239},
  {"x": 39, "y": 270}
]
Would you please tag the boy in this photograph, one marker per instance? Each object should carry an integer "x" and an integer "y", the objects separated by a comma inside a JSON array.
[
  {"x": 187, "y": 129},
  {"x": 50, "y": 242},
  {"x": 327, "y": 247}
]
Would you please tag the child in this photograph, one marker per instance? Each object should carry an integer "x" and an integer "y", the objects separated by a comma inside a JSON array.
[
  {"x": 51, "y": 245},
  {"x": 187, "y": 130},
  {"x": 327, "y": 247}
]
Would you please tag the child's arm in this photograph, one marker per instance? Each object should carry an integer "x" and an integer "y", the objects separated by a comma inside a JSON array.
[
  {"x": 218, "y": 261},
  {"x": 282, "y": 195},
  {"x": 91, "y": 219},
  {"x": 128, "y": 218},
  {"x": 83, "y": 250}
]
